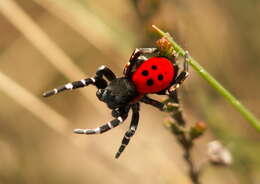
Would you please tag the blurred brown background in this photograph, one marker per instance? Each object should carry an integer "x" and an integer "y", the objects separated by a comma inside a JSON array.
[{"x": 46, "y": 43}]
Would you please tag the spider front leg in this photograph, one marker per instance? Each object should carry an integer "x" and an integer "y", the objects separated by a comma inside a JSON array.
[
  {"x": 137, "y": 55},
  {"x": 131, "y": 131},
  {"x": 183, "y": 75},
  {"x": 108, "y": 126},
  {"x": 138, "y": 52},
  {"x": 98, "y": 81},
  {"x": 105, "y": 71}
]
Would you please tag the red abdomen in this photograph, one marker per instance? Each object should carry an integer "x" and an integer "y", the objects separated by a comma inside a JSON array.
[{"x": 154, "y": 75}]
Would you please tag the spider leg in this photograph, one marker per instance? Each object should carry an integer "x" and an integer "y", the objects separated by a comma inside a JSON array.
[
  {"x": 108, "y": 126},
  {"x": 103, "y": 70},
  {"x": 159, "y": 105},
  {"x": 131, "y": 131},
  {"x": 99, "y": 130},
  {"x": 70, "y": 86},
  {"x": 177, "y": 115},
  {"x": 136, "y": 56},
  {"x": 139, "y": 51},
  {"x": 98, "y": 81},
  {"x": 183, "y": 75}
]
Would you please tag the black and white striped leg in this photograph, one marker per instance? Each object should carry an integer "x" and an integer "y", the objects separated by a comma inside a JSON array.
[
  {"x": 98, "y": 81},
  {"x": 105, "y": 71},
  {"x": 111, "y": 124},
  {"x": 183, "y": 75},
  {"x": 70, "y": 86},
  {"x": 138, "y": 55},
  {"x": 131, "y": 131},
  {"x": 139, "y": 51}
]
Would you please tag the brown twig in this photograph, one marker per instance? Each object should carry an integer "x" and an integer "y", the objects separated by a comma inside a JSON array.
[{"x": 185, "y": 137}]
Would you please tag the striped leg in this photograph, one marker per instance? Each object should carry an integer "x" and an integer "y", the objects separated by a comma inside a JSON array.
[
  {"x": 111, "y": 124},
  {"x": 98, "y": 81},
  {"x": 137, "y": 54},
  {"x": 105, "y": 71},
  {"x": 183, "y": 75},
  {"x": 70, "y": 86},
  {"x": 131, "y": 130}
]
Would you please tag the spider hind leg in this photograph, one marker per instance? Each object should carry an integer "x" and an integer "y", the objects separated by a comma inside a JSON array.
[
  {"x": 131, "y": 131},
  {"x": 120, "y": 118},
  {"x": 104, "y": 128}
]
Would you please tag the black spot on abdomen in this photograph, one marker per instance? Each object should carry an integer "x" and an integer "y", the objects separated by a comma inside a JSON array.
[
  {"x": 154, "y": 67},
  {"x": 145, "y": 73},
  {"x": 149, "y": 82},
  {"x": 160, "y": 77}
]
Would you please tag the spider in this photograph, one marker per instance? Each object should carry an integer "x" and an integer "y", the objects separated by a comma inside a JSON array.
[{"x": 147, "y": 72}]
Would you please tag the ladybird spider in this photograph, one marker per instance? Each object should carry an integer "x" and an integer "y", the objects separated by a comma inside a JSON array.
[{"x": 146, "y": 72}]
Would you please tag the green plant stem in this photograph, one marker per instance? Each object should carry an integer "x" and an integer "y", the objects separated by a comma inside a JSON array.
[{"x": 213, "y": 82}]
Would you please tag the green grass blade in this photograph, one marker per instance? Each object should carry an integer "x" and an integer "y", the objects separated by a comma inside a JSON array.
[{"x": 213, "y": 82}]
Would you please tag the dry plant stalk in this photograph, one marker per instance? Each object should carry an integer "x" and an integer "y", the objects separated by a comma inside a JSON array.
[
  {"x": 184, "y": 136},
  {"x": 217, "y": 154}
]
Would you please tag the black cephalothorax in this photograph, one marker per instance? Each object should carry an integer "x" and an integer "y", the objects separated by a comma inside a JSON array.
[{"x": 121, "y": 94}]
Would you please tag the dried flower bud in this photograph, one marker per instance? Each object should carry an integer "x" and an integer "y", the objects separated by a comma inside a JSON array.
[
  {"x": 218, "y": 154},
  {"x": 165, "y": 47},
  {"x": 198, "y": 129}
]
